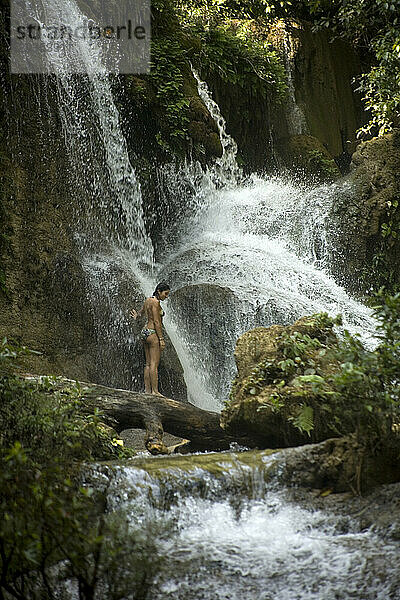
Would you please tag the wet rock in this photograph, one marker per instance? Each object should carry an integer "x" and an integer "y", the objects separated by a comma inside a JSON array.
[
  {"x": 339, "y": 465},
  {"x": 307, "y": 155},
  {"x": 135, "y": 439}
]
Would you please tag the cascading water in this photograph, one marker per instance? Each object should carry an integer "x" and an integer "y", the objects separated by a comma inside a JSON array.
[
  {"x": 251, "y": 253},
  {"x": 259, "y": 246},
  {"x": 226, "y": 168},
  {"x": 296, "y": 119},
  {"x": 254, "y": 252},
  {"x": 228, "y": 529},
  {"x": 108, "y": 220},
  {"x": 93, "y": 136}
]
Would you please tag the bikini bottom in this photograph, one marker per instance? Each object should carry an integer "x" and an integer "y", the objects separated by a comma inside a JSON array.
[{"x": 146, "y": 332}]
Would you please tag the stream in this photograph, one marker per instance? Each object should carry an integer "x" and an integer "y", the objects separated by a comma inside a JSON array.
[{"x": 228, "y": 528}]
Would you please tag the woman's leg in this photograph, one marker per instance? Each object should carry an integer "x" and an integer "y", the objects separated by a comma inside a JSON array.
[
  {"x": 147, "y": 382},
  {"x": 155, "y": 353}
]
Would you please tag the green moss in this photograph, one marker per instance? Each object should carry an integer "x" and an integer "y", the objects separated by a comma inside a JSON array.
[
  {"x": 217, "y": 463},
  {"x": 383, "y": 272}
]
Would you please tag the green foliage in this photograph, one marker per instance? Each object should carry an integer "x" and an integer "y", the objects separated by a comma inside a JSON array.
[
  {"x": 45, "y": 416},
  {"x": 374, "y": 26},
  {"x": 296, "y": 354},
  {"x": 52, "y": 529},
  {"x": 368, "y": 384},
  {"x": 168, "y": 64},
  {"x": 234, "y": 48},
  {"x": 304, "y": 421},
  {"x": 324, "y": 165},
  {"x": 342, "y": 387},
  {"x": 222, "y": 10},
  {"x": 384, "y": 273}
]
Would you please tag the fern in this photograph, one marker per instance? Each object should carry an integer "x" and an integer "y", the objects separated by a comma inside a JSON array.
[{"x": 304, "y": 420}]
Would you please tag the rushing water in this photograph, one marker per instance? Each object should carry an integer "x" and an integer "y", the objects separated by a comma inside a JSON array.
[
  {"x": 231, "y": 531},
  {"x": 104, "y": 182}
]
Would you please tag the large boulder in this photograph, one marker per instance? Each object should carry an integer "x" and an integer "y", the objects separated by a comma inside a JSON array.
[
  {"x": 201, "y": 313},
  {"x": 278, "y": 396}
]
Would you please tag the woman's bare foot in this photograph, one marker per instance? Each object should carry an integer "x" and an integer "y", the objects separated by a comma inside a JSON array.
[{"x": 158, "y": 394}]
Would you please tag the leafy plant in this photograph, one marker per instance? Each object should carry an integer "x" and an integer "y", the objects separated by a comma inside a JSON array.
[
  {"x": 304, "y": 421},
  {"x": 167, "y": 75},
  {"x": 233, "y": 47},
  {"x": 328, "y": 385},
  {"x": 54, "y": 532}
]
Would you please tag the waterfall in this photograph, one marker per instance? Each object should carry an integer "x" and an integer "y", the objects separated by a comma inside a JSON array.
[
  {"x": 250, "y": 253},
  {"x": 296, "y": 119},
  {"x": 110, "y": 195},
  {"x": 226, "y": 168},
  {"x": 247, "y": 252},
  {"x": 108, "y": 220}
]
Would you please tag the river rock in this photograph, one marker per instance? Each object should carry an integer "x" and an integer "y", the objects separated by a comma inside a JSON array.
[
  {"x": 264, "y": 406},
  {"x": 340, "y": 465}
]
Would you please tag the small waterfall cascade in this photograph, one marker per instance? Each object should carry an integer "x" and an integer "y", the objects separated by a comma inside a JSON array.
[
  {"x": 226, "y": 170},
  {"x": 115, "y": 249},
  {"x": 296, "y": 119},
  {"x": 227, "y": 527}
]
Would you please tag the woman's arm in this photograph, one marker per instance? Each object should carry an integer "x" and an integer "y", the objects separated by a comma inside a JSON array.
[{"x": 135, "y": 315}]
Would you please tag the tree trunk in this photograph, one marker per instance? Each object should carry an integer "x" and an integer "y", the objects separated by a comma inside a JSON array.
[{"x": 123, "y": 409}]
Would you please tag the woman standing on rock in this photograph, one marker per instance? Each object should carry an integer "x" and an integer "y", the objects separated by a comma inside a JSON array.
[{"x": 152, "y": 336}]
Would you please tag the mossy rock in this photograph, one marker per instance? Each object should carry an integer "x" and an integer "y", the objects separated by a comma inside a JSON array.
[
  {"x": 267, "y": 402},
  {"x": 307, "y": 154},
  {"x": 367, "y": 217}
]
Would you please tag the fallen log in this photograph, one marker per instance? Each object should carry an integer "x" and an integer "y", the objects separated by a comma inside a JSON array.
[{"x": 124, "y": 409}]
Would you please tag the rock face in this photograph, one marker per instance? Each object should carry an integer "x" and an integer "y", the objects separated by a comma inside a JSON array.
[
  {"x": 368, "y": 220},
  {"x": 323, "y": 72},
  {"x": 210, "y": 317},
  {"x": 340, "y": 465},
  {"x": 306, "y": 155},
  {"x": 265, "y": 402},
  {"x": 201, "y": 312},
  {"x": 321, "y": 104}
]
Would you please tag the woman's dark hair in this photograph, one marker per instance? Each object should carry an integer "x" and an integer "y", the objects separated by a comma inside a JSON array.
[{"x": 161, "y": 287}]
